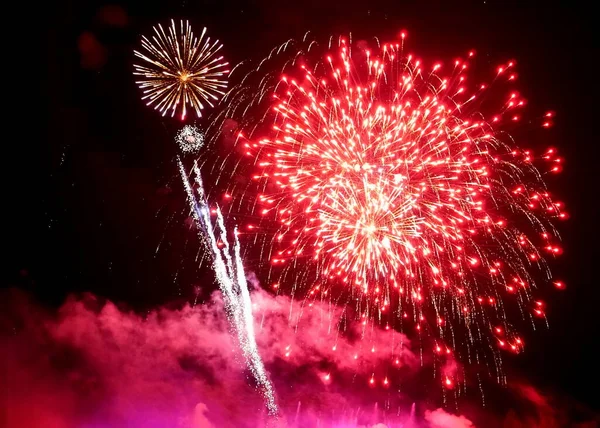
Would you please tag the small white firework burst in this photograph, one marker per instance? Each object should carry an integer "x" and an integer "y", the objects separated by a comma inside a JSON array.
[{"x": 190, "y": 139}]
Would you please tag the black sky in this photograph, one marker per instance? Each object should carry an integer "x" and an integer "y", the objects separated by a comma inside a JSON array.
[{"x": 99, "y": 194}]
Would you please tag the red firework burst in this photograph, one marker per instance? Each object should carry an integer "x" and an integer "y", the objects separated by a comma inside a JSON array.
[{"x": 398, "y": 183}]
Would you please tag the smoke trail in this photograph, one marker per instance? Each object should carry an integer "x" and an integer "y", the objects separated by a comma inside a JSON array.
[{"x": 231, "y": 277}]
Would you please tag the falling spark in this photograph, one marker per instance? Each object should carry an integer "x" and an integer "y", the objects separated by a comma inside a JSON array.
[{"x": 232, "y": 282}]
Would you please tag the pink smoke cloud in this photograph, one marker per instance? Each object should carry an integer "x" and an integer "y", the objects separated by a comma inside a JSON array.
[
  {"x": 124, "y": 369},
  {"x": 439, "y": 418},
  {"x": 93, "y": 364},
  {"x": 308, "y": 333},
  {"x": 199, "y": 419}
]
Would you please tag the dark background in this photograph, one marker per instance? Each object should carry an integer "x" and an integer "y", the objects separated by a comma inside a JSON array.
[{"x": 94, "y": 199}]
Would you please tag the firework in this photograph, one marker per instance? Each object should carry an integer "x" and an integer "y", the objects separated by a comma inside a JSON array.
[
  {"x": 231, "y": 278},
  {"x": 395, "y": 182},
  {"x": 178, "y": 69},
  {"x": 189, "y": 139}
]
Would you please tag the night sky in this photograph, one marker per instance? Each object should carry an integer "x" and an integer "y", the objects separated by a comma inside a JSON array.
[{"x": 98, "y": 207}]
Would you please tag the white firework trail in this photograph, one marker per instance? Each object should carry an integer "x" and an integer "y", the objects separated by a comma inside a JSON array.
[{"x": 231, "y": 277}]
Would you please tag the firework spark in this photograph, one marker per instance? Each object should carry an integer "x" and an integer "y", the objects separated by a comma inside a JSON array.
[
  {"x": 231, "y": 278},
  {"x": 400, "y": 187},
  {"x": 180, "y": 69}
]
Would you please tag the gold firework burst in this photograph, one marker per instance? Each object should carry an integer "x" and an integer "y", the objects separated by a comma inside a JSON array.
[{"x": 180, "y": 69}]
